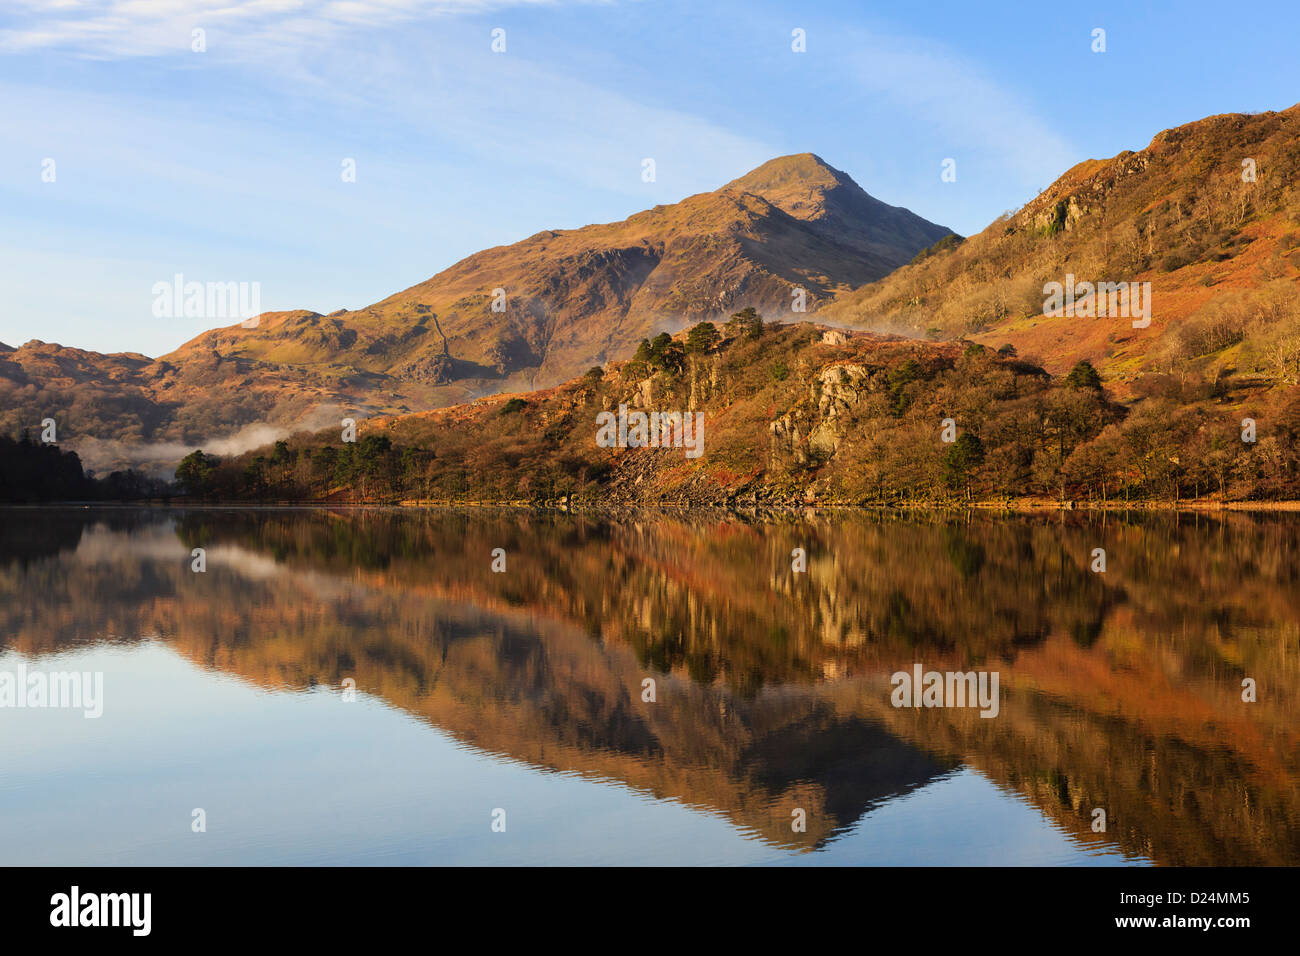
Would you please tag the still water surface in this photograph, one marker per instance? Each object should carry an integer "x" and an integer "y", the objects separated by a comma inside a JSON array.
[{"x": 523, "y": 690}]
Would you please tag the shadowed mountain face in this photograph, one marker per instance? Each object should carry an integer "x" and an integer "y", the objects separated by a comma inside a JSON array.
[
  {"x": 526, "y": 315},
  {"x": 1120, "y": 691}
]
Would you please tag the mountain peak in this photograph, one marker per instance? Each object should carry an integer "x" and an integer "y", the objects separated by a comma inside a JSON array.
[
  {"x": 805, "y": 186},
  {"x": 785, "y": 173}
]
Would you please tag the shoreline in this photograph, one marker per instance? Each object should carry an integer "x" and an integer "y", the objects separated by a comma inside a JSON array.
[{"x": 1016, "y": 506}]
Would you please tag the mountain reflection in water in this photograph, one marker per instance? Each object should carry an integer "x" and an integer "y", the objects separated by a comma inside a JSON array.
[{"x": 1120, "y": 690}]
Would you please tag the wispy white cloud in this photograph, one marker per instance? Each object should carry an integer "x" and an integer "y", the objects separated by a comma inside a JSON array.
[
  {"x": 959, "y": 99},
  {"x": 128, "y": 28},
  {"x": 540, "y": 117}
]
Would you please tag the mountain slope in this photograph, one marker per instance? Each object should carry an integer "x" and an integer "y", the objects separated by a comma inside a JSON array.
[
  {"x": 1219, "y": 251},
  {"x": 568, "y": 300},
  {"x": 573, "y": 298}
]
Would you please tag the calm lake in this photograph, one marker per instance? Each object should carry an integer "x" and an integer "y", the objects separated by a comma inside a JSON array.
[{"x": 361, "y": 687}]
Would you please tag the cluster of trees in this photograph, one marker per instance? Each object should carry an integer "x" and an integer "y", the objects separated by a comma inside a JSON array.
[
  {"x": 37, "y": 471},
  {"x": 1026, "y": 434},
  {"x": 661, "y": 354},
  {"x": 369, "y": 467},
  {"x": 664, "y": 353},
  {"x": 972, "y": 424},
  {"x": 1254, "y": 330}
]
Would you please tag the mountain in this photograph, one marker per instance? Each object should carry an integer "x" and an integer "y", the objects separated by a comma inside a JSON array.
[
  {"x": 578, "y": 298},
  {"x": 1208, "y": 213},
  {"x": 568, "y": 300},
  {"x": 1204, "y": 221}
]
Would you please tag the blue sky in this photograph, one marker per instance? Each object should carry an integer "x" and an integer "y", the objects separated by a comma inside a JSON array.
[{"x": 226, "y": 165}]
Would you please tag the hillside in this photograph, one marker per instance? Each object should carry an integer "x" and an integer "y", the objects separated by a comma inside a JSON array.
[
  {"x": 801, "y": 414},
  {"x": 1222, "y": 255},
  {"x": 569, "y": 299}
]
